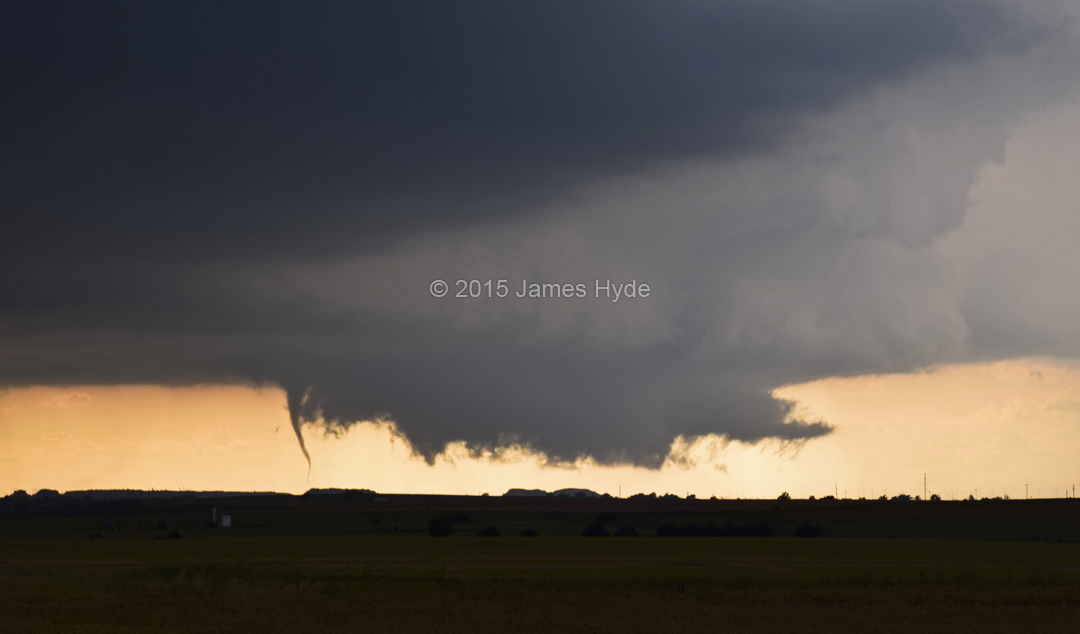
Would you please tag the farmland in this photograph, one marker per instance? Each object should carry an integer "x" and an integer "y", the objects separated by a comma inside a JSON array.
[{"x": 326, "y": 563}]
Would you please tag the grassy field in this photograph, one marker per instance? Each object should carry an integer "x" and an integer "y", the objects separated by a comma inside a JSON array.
[
  {"x": 298, "y": 566},
  {"x": 291, "y": 516},
  {"x": 470, "y": 584}
]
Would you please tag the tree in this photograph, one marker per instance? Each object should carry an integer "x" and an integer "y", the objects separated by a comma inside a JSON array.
[
  {"x": 594, "y": 530},
  {"x": 669, "y": 530},
  {"x": 440, "y": 527},
  {"x": 784, "y": 496}
]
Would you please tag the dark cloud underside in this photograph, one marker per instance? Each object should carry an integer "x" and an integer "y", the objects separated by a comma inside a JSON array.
[
  {"x": 169, "y": 171},
  {"x": 284, "y": 128}
]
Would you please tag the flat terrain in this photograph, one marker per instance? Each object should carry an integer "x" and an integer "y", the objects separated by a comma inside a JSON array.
[
  {"x": 315, "y": 515},
  {"x": 300, "y": 565}
]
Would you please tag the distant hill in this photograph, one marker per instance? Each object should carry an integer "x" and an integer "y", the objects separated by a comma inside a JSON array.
[
  {"x": 339, "y": 491},
  {"x": 49, "y": 499},
  {"x": 525, "y": 493},
  {"x": 571, "y": 493},
  {"x": 579, "y": 493},
  {"x": 139, "y": 494}
]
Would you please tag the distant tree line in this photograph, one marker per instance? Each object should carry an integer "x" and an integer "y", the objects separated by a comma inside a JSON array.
[{"x": 693, "y": 529}]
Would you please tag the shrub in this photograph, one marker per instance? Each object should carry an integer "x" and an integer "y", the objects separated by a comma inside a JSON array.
[
  {"x": 668, "y": 530},
  {"x": 440, "y": 526},
  {"x": 528, "y": 532},
  {"x": 626, "y": 531},
  {"x": 759, "y": 530},
  {"x": 808, "y": 530},
  {"x": 594, "y": 530},
  {"x": 489, "y": 531},
  {"x": 693, "y": 529}
]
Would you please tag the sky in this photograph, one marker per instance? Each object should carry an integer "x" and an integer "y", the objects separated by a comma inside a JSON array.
[{"x": 225, "y": 225}]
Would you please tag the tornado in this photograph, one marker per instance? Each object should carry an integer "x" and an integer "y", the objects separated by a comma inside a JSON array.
[{"x": 295, "y": 400}]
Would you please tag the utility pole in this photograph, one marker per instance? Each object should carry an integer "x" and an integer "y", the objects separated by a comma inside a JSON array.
[
  {"x": 1026, "y": 496},
  {"x": 836, "y": 490},
  {"x": 924, "y": 486}
]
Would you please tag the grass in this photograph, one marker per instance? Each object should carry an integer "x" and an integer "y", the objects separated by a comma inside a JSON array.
[
  {"x": 470, "y": 584},
  {"x": 228, "y": 598},
  {"x": 303, "y": 566}
]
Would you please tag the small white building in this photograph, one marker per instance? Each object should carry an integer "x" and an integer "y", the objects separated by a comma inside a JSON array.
[{"x": 226, "y": 521}]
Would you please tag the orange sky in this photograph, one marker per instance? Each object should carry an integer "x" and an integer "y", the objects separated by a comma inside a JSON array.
[{"x": 992, "y": 427}]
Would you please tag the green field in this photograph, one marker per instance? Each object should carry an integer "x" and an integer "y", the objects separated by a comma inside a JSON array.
[
  {"x": 471, "y": 584},
  {"x": 301, "y": 567}
]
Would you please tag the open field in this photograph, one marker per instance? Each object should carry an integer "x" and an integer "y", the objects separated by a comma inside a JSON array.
[
  {"x": 470, "y": 584},
  {"x": 293, "y": 565},
  {"x": 325, "y": 515}
]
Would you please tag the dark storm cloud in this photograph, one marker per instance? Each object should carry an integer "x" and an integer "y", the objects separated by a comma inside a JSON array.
[
  {"x": 284, "y": 128},
  {"x": 232, "y": 192}
]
